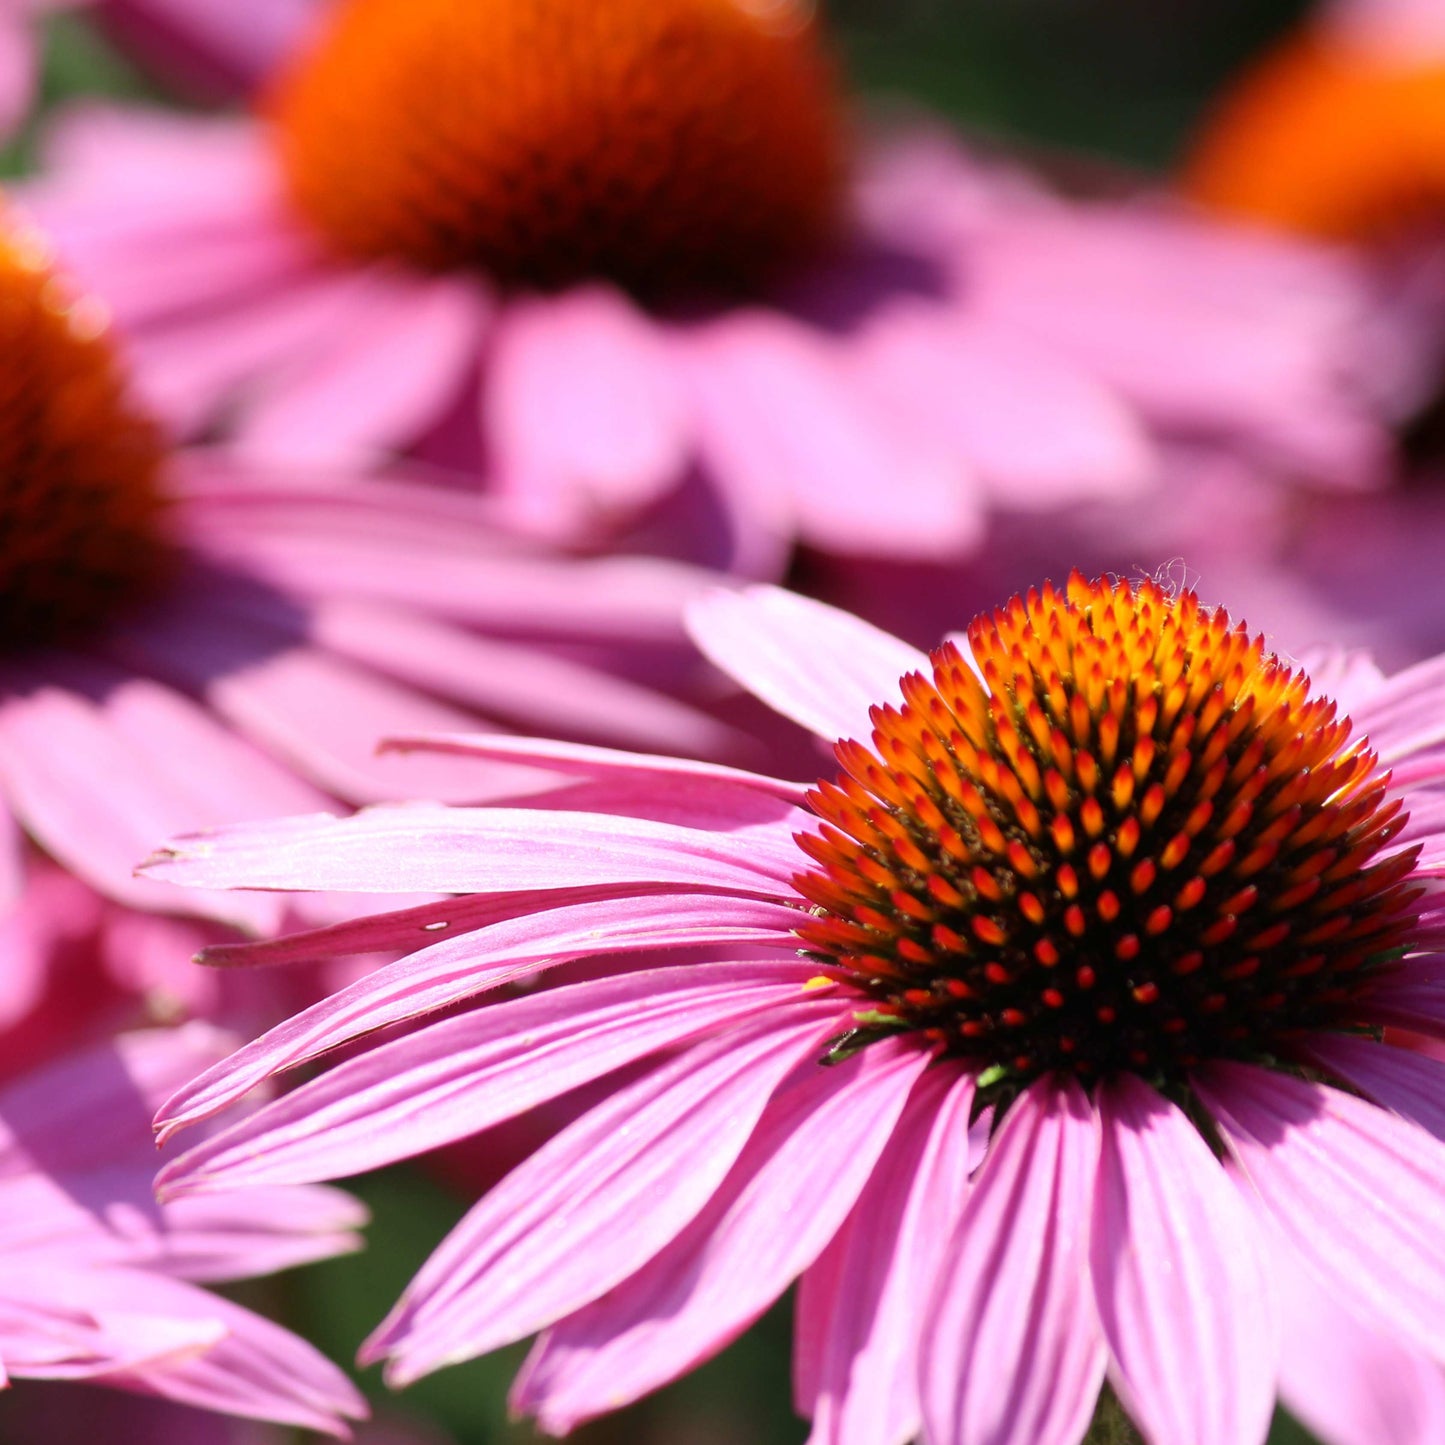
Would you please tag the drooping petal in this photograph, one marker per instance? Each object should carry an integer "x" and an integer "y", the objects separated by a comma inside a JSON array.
[
  {"x": 862, "y": 1312},
  {"x": 594, "y": 1204},
  {"x": 1410, "y": 1084},
  {"x": 1037, "y": 430},
  {"x": 54, "y": 744},
  {"x": 376, "y": 383},
  {"x": 1356, "y": 1190},
  {"x": 1182, "y": 1294},
  {"x": 198, "y": 1348},
  {"x": 523, "y": 685},
  {"x": 821, "y": 667},
  {"x": 703, "y": 793},
  {"x": 460, "y": 1076},
  {"x": 792, "y": 433},
  {"x": 462, "y": 966},
  {"x": 1350, "y": 1382},
  {"x": 1012, "y": 1353},
  {"x": 425, "y": 849},
  {"x": 796, "y": 1181},
  {"x": 583, "y": 411}
]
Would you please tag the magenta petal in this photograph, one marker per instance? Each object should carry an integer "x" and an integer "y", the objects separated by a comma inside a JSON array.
[
  {"x": 427, "y": 849},
  {"x": 377, "y": 383},
  {"x": 1410, "y": 1084},
  {"x": 815, "y": 664},
  {"x": 236, "y": 1362},
  {"x": 519, "y": 683},
  {"x": 467, "y": 964},
  {"x": 583, "y": 409},
  {"x": 1356, "y": 1190},
  {"x": 1011, "y": 1351},
  {"x": 594, "y": 1204},
  {"x": 455, "y": 1078},
  {"x": 1350, "y": 1382},
  {"x": 859, "y": 1303},
  {"x": 636, "y": 784},
  {"x": 408, "y": 929},
  {"x": 1179, "y": 1284},
  {"x": 800, "y": 1174}
]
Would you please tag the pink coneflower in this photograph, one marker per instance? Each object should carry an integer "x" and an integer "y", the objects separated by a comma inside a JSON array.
[
  {"x": 1110, "y": 884},
  {"x": 187, "y": 642},
  {"x": 99, "y": 1285},
  {"x": 619, "y": 257}
]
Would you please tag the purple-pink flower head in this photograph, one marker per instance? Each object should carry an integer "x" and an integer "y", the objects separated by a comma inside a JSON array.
[
  {"x": 1130, "y": 840},
  {"x": 1046, "y": 1044},
  {"x": 188, "y": 640}
]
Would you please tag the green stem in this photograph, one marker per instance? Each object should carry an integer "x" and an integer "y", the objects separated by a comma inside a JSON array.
[{"x": 1111, "y": 1426}]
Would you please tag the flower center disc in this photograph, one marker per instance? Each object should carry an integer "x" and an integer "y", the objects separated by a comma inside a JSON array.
[
  {"x": 79, "y": 496},
  {"x": 1330, "y": 142},
  {"x": 1136, "y": 844},
  {"x": 664, "y": 144}
]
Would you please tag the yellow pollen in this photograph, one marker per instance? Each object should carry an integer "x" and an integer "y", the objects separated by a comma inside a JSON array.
[
  {"x": 79, "y": 468},
  {"x": 666, "y": 145},
  {"x": 1217, "y": 883}
]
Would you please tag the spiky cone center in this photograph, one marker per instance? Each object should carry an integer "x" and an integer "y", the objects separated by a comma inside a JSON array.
[
  {"x": 666, "y": 145},
  {"x": 80, "y": 500},
  {"x": 1132, "y": 841},
  {"x": 1330, "y": 140}
]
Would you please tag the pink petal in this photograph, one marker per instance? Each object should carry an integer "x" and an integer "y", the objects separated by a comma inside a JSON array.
[
  {"x": 425, "y": 849},
  {"x": 1347, "y": 1381},
  {"x": 789, "y": 431},
  {"x": 410, "y": 929},
  {"x": 320, "y": 541},
  {"x": 582, "y": 410},
  {"x": 456, "y": 1078},
  {"x": 1178, "y": 1279},
  {"x": 252, "y": 1232},
  {"x": 215, "y": 45},
  {"x": 239, "y": 1363},
  {"x": 1356, "y": 1191},
  {"x": 520, "y": 683},
  {"x": 863, "y": 1332},
  {"x": 1011, "y": 1350},
  {"x": 821, "y": 667},
  {"x": 639, "y": 784},
  {"x": 378, "y": 382},
  {"x": 1402, "y": 718},
  {"x": 1035, "y": 429},
  {"x": 793, "y": 1185},
  {"x": 1411, "y": 1085},
  {"x": 594, "y": 1204},
  {"x": 56, "y": 745},
  {"x": 91, "y": 1109},
  {"x": 467, "y": 964}
]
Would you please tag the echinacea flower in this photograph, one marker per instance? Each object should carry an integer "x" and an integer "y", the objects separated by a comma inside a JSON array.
[
  {"x": 1110, "y": 894},
  {"x": 1339, "y": 130},
  {"x": 619, "y": 258},
  {"x": 184, "y": 641},
  {"x": 100, "y": 1286}
]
